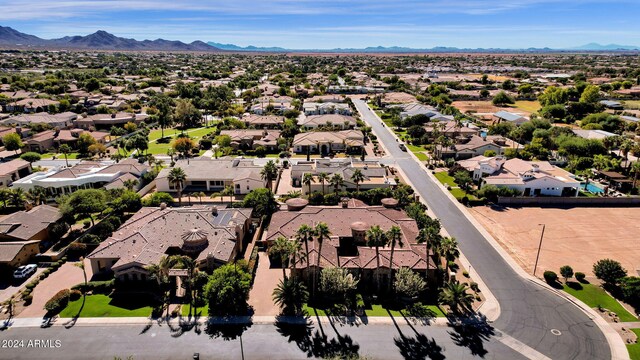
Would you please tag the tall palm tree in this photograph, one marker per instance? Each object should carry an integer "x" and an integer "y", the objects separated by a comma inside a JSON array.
[
  {"x": 177, "y": 177},
  {"x": 5, "y": 196},
  {"x": 269, "y": 172},
  {"x": 337, "y": 182},
  {"x": 80, "y": 265},
  {"x": 357, "y": 177},
  {"x": 307, "y": 179},
  {"x": 200, "y": 195},
  {"x": 322, "y": 232},
  {"x": 456, "y": 296},
  {"x": 65, "y": 150},
  {"x": 304, "y": 234},
  {"x": 228, "y": 190},
  {"x": 323, "y": 177},
  {"x": 160, "y": 272},
  {"x": 395, "y": 238},
  {"x": 297, "y": 254},
  {"x": 625, "y": 148},
  {"x": 448, "y": 249},
  {"x": 376, "y": 238},
  {"x": 281, "y": 248},
  {"x": 428, "y": 236}
]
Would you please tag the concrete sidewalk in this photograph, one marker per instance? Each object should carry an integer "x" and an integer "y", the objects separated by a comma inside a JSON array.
[{"x": 265, "y": 320}]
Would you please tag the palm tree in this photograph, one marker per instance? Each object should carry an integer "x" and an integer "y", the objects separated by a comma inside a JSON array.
[
  {"x": 228, "y": 190},
  {"x": 429, "y": 236},
  {"x": 177, "y": 177},
  {"x": 269, "y": 172},
  {"x": 5, "y": 195},
  {"x": 625, "y": 148},
  {"x": 281, "y": 248},
  {"x": 297, "y": 254},
  {"x": 290, "y": 295},
  {"x": 337, "y": 182},
  {"x": 377, "y": 238},
  {"x": 456, "y": 296},
  {"x": 448, "y": 249},
  {"x": 80, "y": 265},
  {"x": 171, "y": 152},
  {"x": 322, "y": 232},
  {"x": 395, "y": 238},
  {"x": 65, "y": 150},
  {"x": 160, "y": 272},
  {"x": 323, "y": 177},
  {"x": 357, "y": 178},
  {"x": 17, "y": 197},
  {"x": 130, "y": 184},
  {"x": 304, "y": 234},
  {"x": 37, "y": 195},
  {"x": 200, "y": 195},
  {"x": 307, "y": 179}
]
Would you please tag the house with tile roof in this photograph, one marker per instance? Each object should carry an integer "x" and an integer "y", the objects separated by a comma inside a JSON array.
[
  {"x": 245, "y": 139},
  {"x": 206, "y": 174},
  {"x": 375, "y": 175},
  {"x": 210, "y": 236},
  {"x": 329, "y": 120},
  {"x": 324, "y": 142},
  {"x": 263, "y": 122},
  {"x": 346, "y": 246},
  {"x": 13, "y": 170}
]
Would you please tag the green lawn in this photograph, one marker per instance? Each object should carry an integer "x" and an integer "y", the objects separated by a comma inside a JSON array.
[
  {"x": 530, "y": 106},
  {"x": 458, "y": 193},
  {"x": 378, "y": 310},
  {"x": 595, "y": 296},
  {"x": 105, "y": 306},
  {"x": 631, "y": 104},
  {"x": 156, "y": 148},
  {"x": 444, "y": 178},
  {"x": 201, "y": 311},
  {"x": 60, "y": 156},
  {"x": 634, "y": 349}
]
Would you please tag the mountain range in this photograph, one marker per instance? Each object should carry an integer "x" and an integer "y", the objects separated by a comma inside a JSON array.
[{"x": 102, "y": 40}]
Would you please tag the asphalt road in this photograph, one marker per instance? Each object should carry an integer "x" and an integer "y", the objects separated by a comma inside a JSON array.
[
  {"x": 528, "y": 312},
  {"x": 404, "y": 341}
]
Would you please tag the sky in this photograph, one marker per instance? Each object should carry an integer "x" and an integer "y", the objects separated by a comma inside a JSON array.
[{"x": 326, "y": 24}]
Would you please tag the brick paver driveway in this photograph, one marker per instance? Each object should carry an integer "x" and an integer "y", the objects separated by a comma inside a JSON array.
[
  {"x": 66, "y": 276},
  {"x": 266, "y": 280}
]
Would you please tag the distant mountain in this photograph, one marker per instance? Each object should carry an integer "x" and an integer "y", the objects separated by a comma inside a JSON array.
[
  {"x": 100, "y": 40},
  {"x": 609, "y": 47},
  {"x": 232, "y": 47}
]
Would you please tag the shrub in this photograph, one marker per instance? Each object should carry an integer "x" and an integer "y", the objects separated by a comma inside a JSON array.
[
  {"x": 26, "y": 292},
  {"x": 90, "y": 239},
  {"x": 27, "y": 299},
  {"x": 550, "y": 276},
  {"x": 630, "y": 287},
  {"x": 99, "y": 287},
  {"x": 580, "y": 276},
  {"x": 609, "y": 271},
  {"x": 158, "y": 198},
  {"x": 31, "y": 285},
  {"x": 566, "y": 272},
  {"x": 58, "y": 302},
  {"x": 465, "y": 273},
  {"x": 86, "y": 224},
  {"x": 75, "y": 295},
  {"x": 474, "y": 286}
]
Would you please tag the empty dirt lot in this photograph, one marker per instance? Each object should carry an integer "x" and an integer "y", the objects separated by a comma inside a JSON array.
[{"x": 578, "y": 236}]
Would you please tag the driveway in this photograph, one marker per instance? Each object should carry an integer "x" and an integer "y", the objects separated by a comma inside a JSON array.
[
  {"x": 266, "y": 280},
  {"x": 11, "y": 288},
  {"x": 64, "y": 278},
  {"x": 284, "y": 186},
  {"x": 528, "y": 312}
]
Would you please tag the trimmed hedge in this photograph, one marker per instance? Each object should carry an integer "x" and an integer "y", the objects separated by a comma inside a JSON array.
[
  {"x": 96, "y": 287},
  {"x": 580, "y": 276},
  {"x": 550, "y": 277},
  {"x": 58, "y": 302}
]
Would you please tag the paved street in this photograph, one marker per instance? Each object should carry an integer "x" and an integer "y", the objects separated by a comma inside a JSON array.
[
  {"x": 528, "y": 312},
  {"x": 259, "y": 341}
]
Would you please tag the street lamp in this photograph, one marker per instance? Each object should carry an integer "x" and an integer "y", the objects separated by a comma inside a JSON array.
[{"x": 539, "y": 247}]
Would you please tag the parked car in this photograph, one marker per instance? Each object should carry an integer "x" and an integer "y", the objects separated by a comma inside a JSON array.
[
  {"x": 24, "y": 271},
  {"x": 402, "y": 147}
]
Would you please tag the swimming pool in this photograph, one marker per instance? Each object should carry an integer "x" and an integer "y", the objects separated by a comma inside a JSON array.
[{"x": 592, "y": 188}]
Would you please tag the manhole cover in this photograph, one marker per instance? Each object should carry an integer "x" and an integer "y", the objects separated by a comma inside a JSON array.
[{"x": 556, "y": 332}]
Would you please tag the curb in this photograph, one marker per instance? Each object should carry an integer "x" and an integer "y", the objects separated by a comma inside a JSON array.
[
  {"x": 616, "y": 345},
  {"x": 490, "y": 307}
]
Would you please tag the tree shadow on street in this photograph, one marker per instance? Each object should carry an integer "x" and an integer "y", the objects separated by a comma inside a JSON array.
[
  {"x": 471, "y": 332},
  {"x": 418, "y": 346},
  {"x": 316, "y": 343},
  {"x": 71, "y": 323},
  {"x": 185, "y": 324},
  {"x": 227, "y": 328}
]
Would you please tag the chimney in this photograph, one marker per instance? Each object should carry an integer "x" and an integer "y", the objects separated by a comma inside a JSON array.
[
  {"x": 214, "y": 211},
  {"x": 163, "y": 206},
  {"x": 535, "y": 168},
  {"x": 345, "y": 202}
]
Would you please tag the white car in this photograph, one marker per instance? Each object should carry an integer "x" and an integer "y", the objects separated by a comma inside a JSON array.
[{"x": 24, "y": 271}]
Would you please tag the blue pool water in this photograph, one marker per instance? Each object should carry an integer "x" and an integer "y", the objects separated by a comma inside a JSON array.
[{"x": 592, "y": 188}]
